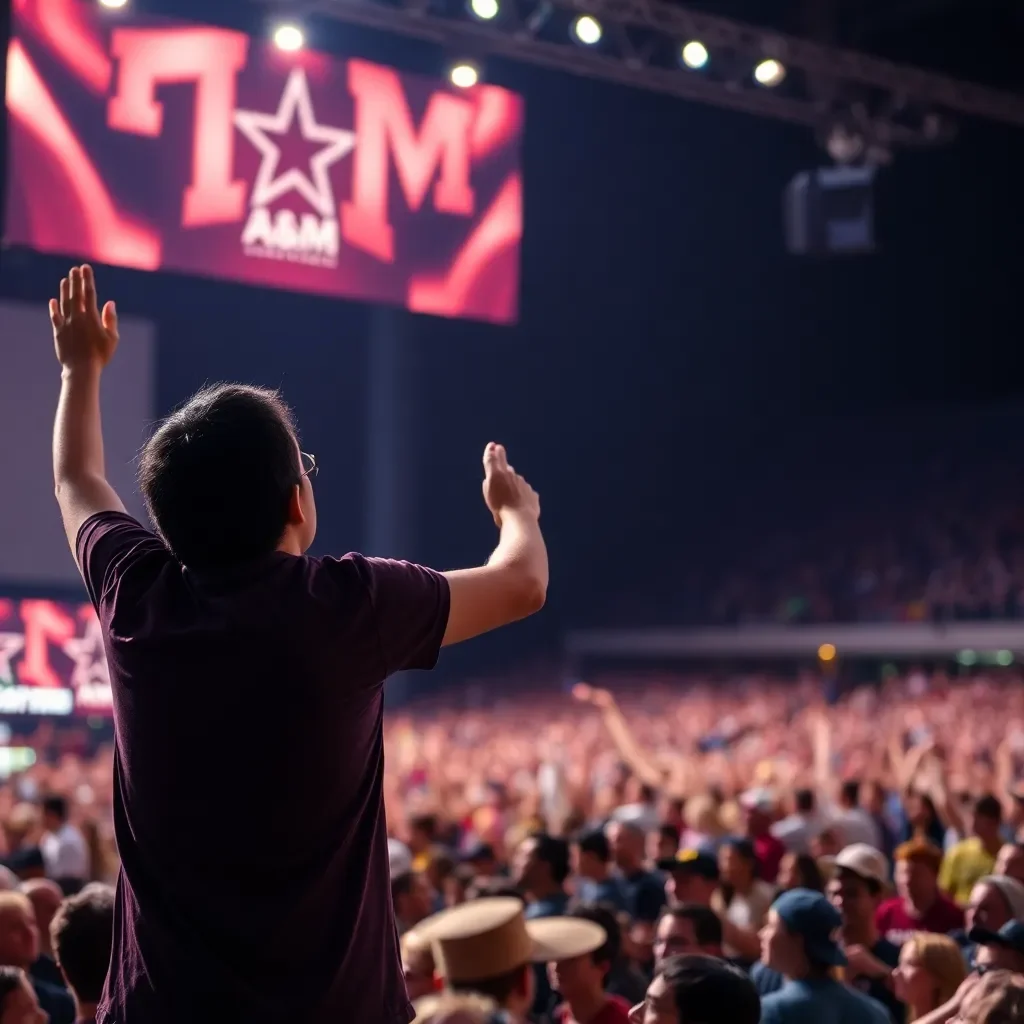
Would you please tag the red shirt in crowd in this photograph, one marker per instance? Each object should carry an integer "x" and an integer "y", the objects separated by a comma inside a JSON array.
[
  {"x": 248, "y": 779},
  {"x": 897, "y": 925},
  {"x": 615, "y": 1011},
  {"x": 770, "y": 852}
]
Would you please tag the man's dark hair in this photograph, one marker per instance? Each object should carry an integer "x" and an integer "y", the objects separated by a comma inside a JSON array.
[
  {"x": 603, "y": 915},
  {"x": 849, "y": 793},
  {"x": 804, "y": 800},
  {"x": 988, "y": 806},
  {"x": 57, "y": 806},
  {"x": 499, "y": 988},
  {"x": 82, "y": 932},
  {"x": 595, "y": 842},
  {"x": 707, "y": 925},
  {"x": 873, "y": 886},
  {"x": 708, "y": 990},
  {"x": 218, "y": 474},
  {"x": 555, "y": 853},
  {"x": 402, "y": 885}
]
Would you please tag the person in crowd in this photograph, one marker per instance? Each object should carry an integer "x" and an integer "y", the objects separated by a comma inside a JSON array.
[
  {"x": 413, "y": 900},
  {"x": 854, "y": 823},
  {"x": 664, "y": 841},
  {"x": 920, "y": 905},
  {"x": 18, "y": 1001},
  {"x": 797, "y": 830},
  {"x": 742, "y": 900},
  {"x": 63, "y": 847},
  {"x": 921, "y": 820},
  {"x": 594, "y": 878},
  {"x": 687, "y": 928},
  {"x": 704, "y": 829},
  {"x": 758, "y": 806},
  {"x": 691, "y": 876},
  {"x": 423, "y": 836},
  {"x": 974, "y": 857},
  {"x": 697, "y": 990},
  {"x": 417, "y": 966},
  {"x": 45, "y": 897},
  {"x": 27, "y": 864},
  {"x": 623, "y": 979},
  {"x": 19, "y": 947},
  {"x": 799, "y": 941},
  {"x": 643, "y": 891},
  {"x": 862, "y": 874},
  {"x": 800, "y": 871},
  {"x": 582, "y": 982},
  {"x": 642, "y": 814},
  {"x": 994, "y": 901},
  {"x": 541, "y": 870},
  {"x": 1002, "y": 949},
  {"x": 998, "y": 998},
  {"x": 481, "y": 859},
  {"x": 230, "y": 495},
  {"x": 1010, "y": 861},
  {"x": 488, "y": 948},
  {"x": 82, "y": 931},
  {"x": 874, "y": 801},
  {"x": 930, "y": 971}
]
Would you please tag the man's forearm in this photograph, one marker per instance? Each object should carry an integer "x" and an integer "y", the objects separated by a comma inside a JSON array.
[
  {"x": 77, "y": 430},
  {"x": 521, "y": 546}
]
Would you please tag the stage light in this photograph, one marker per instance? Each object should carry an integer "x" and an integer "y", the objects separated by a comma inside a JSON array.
[
  {"x": 827, "y": 652},
  {"x": 464, "y": 76},
  {"x": 587, "y": 30},
  {"x": 289, "y": 38},
  {"x": 485, "y": 10},
  {"x": 113, "y": 5},
  {"x": 694, "y": 55},
  {"x": 769, "y": 73}
]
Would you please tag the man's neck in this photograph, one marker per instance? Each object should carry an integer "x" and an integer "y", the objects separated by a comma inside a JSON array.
[
  {"x": 584, "y": 1009},
  {"x": 920, "y": 909}
]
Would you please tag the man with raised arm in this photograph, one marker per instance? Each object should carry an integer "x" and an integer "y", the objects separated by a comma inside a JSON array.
[{"x": 253, "y": 888}]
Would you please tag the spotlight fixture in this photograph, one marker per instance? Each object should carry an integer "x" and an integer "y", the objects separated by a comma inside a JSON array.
[
  {"x": 289, "y": 38},
  {"x": 694, "y": 55},
  {"x": 464, "y": 75},
  {"x": 113, "y": 5},
  {"x": 587, "y": 30},
  {"x": 769, "y": 73},
  {"x": 485, "y": 10}
]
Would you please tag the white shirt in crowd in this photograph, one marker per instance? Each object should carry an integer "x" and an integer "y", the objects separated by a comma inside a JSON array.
[{"x": 65, "y": 853}]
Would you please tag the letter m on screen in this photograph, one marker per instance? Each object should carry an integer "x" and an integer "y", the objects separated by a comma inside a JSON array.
[{"x": 439, "y": 149}]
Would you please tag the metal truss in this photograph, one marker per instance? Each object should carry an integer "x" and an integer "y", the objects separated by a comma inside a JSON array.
[{"x": 886, "y": 104}]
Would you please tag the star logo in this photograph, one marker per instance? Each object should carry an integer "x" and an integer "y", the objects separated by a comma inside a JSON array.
[
  {"x": 10, "y": 645},
  {"x": 315, "y": 187},
  {"x": 89, "y": 657}
]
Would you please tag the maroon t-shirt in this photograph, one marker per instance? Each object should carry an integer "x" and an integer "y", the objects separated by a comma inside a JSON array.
[
  {"x": 248, "y": 802},
  {"x": 898, "y": 926}
]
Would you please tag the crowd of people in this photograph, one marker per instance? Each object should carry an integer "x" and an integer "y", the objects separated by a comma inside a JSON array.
[{"x": 744, "y": 821}]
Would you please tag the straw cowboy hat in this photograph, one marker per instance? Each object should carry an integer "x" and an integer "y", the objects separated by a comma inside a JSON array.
[{"x": 487, "y": 938}]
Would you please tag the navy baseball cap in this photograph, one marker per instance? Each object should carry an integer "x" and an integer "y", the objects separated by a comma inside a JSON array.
[
  {"x": 691, "y": 862},
  {"x": 811, "y": 915},
  {"x": 1010, "y": 936}
]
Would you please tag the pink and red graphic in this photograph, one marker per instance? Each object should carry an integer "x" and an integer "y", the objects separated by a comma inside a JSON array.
[
  {"x": 51, "y": 659},
  {"x": 163, "y": 146}
]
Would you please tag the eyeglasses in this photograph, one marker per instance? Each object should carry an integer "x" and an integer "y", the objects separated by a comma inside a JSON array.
[{"x": 309, "y": 466}]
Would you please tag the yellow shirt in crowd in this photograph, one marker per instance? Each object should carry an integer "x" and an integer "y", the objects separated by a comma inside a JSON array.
[{"x": 963, "y": 866}]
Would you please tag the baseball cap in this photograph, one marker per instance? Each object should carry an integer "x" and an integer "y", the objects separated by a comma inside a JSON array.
[
  {"x": 811, "y": 916},
  {"x": 701, "y": 863},
  {"x": 1010, "y": 936},
  {"x": 864, "y": 861}
]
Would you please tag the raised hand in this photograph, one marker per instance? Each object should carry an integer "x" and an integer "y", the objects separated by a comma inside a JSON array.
[
  {"x": 82, "y": 336},
  {"x": 504, "y": 489}
]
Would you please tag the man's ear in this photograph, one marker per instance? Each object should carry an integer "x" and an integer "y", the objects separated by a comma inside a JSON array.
[{"x": 296, "y": 517}]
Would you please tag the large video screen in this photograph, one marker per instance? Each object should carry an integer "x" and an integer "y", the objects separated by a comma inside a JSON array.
[
  {"x": 167, "y": 146},
  {"x": 52, "y": 660}
]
